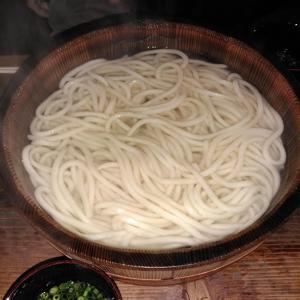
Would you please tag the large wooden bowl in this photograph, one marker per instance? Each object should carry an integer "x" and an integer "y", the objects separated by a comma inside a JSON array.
[{"x": 167, "y": 266}]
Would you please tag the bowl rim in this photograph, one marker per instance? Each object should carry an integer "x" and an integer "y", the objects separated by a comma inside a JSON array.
[
  {"x": 211, "y": 252},
  {"x": 55, "y": 261}
]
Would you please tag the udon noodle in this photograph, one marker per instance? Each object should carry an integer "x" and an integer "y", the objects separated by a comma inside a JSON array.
[{"x": 155, "y": 150}]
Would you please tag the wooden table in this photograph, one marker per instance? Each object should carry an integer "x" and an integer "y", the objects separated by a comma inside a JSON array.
[{"x": 270, "y": 272}]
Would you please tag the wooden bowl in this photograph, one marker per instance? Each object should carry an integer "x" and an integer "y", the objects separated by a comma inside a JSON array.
[{"x": 147, "y": 266}]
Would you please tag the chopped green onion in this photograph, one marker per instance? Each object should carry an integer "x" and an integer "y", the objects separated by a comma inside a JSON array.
[
  {"x": 86, "y": 292},
  {"x": 71, "y": 290},
  {"x": 95, "y": 291},
  {"x": 53, "y": 290},
  {"x": 76, "y": 285},
  {"x": 43, "y": 296}
]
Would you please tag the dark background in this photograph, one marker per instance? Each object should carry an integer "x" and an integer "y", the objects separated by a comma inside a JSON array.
[{"x": 270, "y": 27}]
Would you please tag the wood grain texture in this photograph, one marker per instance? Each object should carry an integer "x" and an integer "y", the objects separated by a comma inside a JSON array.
[
  {"x": 11, "y": 60},
  {"x": 270, "y": 272}
]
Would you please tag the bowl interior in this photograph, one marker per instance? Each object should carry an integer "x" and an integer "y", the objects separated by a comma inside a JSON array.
[
  {"x": 115, "y": 42},
  {"x": 42, "y": 277}
]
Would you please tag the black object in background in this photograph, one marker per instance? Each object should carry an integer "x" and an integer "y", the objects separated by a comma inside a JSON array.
[
  {"x": 278, "y": 33},
  {"x": 21, "y": 30}
]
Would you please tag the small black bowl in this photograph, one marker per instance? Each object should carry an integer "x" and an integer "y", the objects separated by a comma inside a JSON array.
[{"x": 43, "y": 276}]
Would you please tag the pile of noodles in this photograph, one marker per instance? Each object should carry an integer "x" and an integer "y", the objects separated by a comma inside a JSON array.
[{"x": 155, "y": 150}]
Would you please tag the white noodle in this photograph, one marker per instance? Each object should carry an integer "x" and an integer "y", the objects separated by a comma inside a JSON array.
[{"x": 155, "y": 151}]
